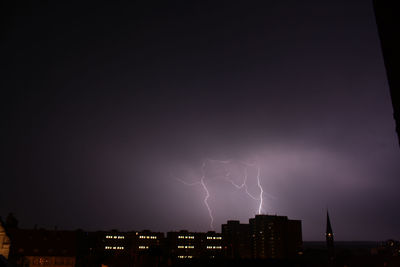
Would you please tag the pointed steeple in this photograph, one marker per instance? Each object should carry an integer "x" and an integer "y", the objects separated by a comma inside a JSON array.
[
  {"x": 329, "y": 237},
  {"x": 328, "y": 225}
]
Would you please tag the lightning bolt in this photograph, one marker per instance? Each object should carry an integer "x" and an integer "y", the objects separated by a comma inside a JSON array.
[
  {"x": 244, "y": 183},
  {"x": 207, "y": 196},
  {"x": 258, "y": 177},
  {"x": 260, "y": 208},
  {"x": 227, "y": 177},
  {"x": 203, "y": 184}
]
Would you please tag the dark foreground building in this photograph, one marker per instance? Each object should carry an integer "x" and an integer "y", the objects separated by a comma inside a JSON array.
[
  {"x": 237, "y": 240},
  {"x": 265, "y": 237},
  {"x": 275, "y": 237},
  {"x": 40, "y": 247}
]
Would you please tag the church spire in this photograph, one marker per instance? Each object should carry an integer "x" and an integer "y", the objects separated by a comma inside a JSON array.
[{"x": 329, "y": 237}]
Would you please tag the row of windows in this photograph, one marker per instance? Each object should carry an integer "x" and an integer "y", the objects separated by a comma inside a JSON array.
[
  {"x": 148, "y": 237},
  {"x": 115, "y": 237},
  {"x": 143, "y": 247},
  {"x": 185, "y": 246},
  {"x": 214, "y": 237},
  {"x": 110, "y": 247},
  {"x": 214, "y": 247},
  {"x": 185, "y": 257},
  {"x": 48, "y": 261},
  {"x": 186, "y": 237}
]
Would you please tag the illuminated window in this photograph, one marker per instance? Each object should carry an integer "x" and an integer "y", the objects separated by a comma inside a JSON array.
[
  {"x": 214, "y": 237},
  {"x": 185, "y": 257},
  {"x": 115, "y": 237},
  {"x": 148, "y": 237},
  {"x": 214, "y": 247},
  {"x": 186, "y": 237},
  {"x": 185, "y": 246},
  {"x": 109, "y": 247},
  {"x": 143, "y": 247}
]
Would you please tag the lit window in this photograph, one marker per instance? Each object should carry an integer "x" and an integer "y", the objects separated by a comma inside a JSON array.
[
  {"x": 185, "y": 237},
  {"x": 214, "y": 237},
  {"x": 214, "y": 247},
  {"x": 147, "y": 237},
  {"x": 185, "y": 246},
  {"x": 143, "y": 247}
]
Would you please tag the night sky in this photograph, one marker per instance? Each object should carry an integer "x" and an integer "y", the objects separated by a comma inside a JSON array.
[{"x": 109, "y": 111}]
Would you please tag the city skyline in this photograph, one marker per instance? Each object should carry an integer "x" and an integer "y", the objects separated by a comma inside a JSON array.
[{"x": 179, "y": 115}]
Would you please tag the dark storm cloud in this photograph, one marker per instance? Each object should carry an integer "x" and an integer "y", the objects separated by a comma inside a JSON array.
[{"x": 108, "y": 104}]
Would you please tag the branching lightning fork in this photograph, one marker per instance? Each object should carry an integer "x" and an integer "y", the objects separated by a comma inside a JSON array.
[
  {"x": 204, "y": 186},
  {"x": 244, "y": 183},
  {"x": 227, "y": 176}
]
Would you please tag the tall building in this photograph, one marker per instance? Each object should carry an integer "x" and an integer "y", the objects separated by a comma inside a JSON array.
[
  {"x": 114, "y": 242},
  {"x": 265, "y": 237},
  {"x": 184, "y": 245},
  {"x": 147, "y": 248},
  {"x": 275, "y": 237},
  {"x": 236, "y": 237},
  {"x": 329, "y": 237},
  {"x": 212, "y": 245}
]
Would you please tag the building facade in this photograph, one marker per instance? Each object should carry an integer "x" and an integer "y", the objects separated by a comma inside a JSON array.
[
  {"x": 40, "y": 247},
  {"x": 183, "y": 245},
  {"x": 275, "y": 237},
  {"x": 212, "y": 245},
  {"x": 236, "y": 239}
]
